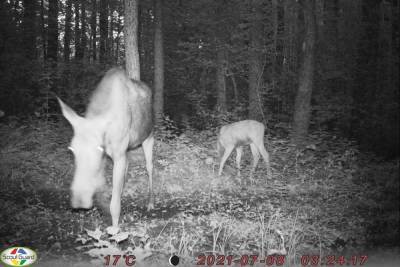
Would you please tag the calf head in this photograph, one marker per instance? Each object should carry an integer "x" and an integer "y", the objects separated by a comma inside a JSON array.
[{"x": 87, "y": 147}]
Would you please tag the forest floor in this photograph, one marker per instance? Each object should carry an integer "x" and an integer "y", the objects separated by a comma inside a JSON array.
[{"x": 328, "y": 200}]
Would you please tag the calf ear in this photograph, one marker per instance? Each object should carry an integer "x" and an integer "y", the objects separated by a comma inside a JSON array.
[{"x": 69, "y": 113}]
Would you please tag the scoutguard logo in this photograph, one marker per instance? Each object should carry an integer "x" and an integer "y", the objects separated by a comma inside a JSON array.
[{"x": 18, "y": 256}]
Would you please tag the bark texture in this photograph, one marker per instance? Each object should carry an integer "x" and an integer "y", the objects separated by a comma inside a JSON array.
[
  {"x": 132, "y": 63},
  {"x": 302, "y": 111},
  {"x": 158, "y": 62}
]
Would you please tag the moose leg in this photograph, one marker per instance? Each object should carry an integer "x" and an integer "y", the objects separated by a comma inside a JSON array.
[
  {"x": 119, "y": 170},
  {"x": 256, "y": 157},
  {"x": 265, "y": 156},
  {"x": 228, "y": 151},
  {"x": 239, "y": 151},
  {"x": 148, "y": 154}
]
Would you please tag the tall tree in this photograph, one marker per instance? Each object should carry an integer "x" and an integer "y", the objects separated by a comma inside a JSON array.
[
  {"x": 43, "y": 29},
  {"x": 67, "y": 34},
  {"x": 302, "y": 110},
  {"x": 93, "y": 25},
  {"x": 52, "y": 43},
  {"x": 330, "y": 43},
  {"x": 221, "y": 36},
  {"x": 104, "y": 29},
  {"x": 289, "y": 54},
  {"x": 146, "y": 39},
  {"x": 158, "y": 62},
  {"x": 83, "y": 29},
  {"x": 221, "y": 78},
  {"x": 29, "y": 29},
  {"x": 118, "y": 37},
  {"x": 349, "y": 29},
  {"x": 385, "y": 61},
  {"x": 387, "y": 75},
  {"x": 77, "y": 30},
  {"x": 110, "y": 39},
  {"x": 256, "y": 62},
  {"x": 275, "y": 24},
  {"x": 132, "y": 63}
]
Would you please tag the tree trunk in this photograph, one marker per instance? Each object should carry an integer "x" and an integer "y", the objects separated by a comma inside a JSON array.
[
  {"x": 203, "y": 81},
  {"x": 110, "y": 40},
  {"x": 349, "y": 33},
  {"x": 302, "y": 111},
  {"x": 234, "y": 85},
  {"x": 385, "y": 61},
  {"x": 331, "y": 44},
  {"x": 52, "y": 45},
  {"x": 67, "y": 35},
  {"x": 104, "y": 29},
  {"x": 77, "y": 31},
  {"x": 255, "y": 63},
  {"x": 275, "y": 40},
  {"x": 16, "y": 14},
  {"x": 28, "y": 28},
  {"x": 220, "y": 79},
  {"x": 132, "y": 63},
  {"x": 146, "y": 42},
  {"x": 43, "y": 29},
  {"x": 118, "y": 38},
  {"x": 141, "y": 36},
  {"x": 83, "y": 29},
  {"x": 290, "y": 59},
  {"x": 158, "y": 62},
  {"x": 93, "y": 25},
  {"x": 388, "y": 71}
]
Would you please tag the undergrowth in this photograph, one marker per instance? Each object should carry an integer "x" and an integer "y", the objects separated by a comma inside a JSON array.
[{"x": 327, "y": 197}]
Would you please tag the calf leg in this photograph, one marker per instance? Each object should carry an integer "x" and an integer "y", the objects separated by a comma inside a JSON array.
[
  {"x": 239, "y": 152},
  {"x": 265, "y": 156},
  {"x": 228, "y": 151},
  {"x": 148, "y": 154},
  {"x": 256, "y": 158},
  {"x": 119, "y": 170}
]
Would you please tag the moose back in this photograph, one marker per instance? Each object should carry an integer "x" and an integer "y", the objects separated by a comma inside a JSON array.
[{"x": 118, "y": 118}]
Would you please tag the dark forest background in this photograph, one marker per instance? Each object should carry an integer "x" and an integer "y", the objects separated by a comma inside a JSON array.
[
  {"x": 223, "y": 61},
  {"x": 321, "y": 74}
]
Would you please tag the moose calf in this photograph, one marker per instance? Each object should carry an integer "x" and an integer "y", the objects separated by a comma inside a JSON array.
[{"x": 238, "y": 134}]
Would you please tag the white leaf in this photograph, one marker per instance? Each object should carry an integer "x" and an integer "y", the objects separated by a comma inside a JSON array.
[
  {"x": 112, "y": 230},
  {"x": 96, "y": 234},
  {"x": 120, "y": 237}
]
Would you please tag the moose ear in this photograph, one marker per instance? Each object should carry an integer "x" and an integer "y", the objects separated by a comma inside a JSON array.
[{"x": 69, "y": 113}]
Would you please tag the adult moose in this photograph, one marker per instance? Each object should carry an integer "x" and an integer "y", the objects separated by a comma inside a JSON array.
[
  {"x": 118, "y": 118},
  {"x": 238, "y": 134}
]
